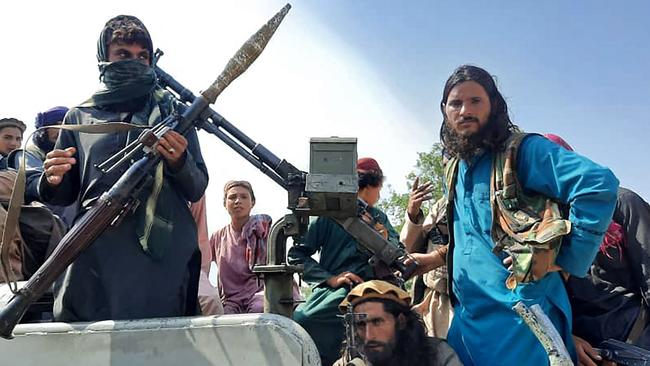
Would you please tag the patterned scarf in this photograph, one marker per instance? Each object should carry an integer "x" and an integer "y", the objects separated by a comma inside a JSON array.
[
  {"x": 255, "y": 233},
  {"x": 614, "y": 238},
  {"x": 123, "y": 81}
]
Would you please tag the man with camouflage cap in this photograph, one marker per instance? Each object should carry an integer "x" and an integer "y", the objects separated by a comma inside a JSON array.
[{"x": 390, "y": 332}]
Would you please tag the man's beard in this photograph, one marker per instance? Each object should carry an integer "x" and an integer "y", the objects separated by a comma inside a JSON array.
[
  {"x": 381, "y": 353},
  {"x": 465, "y": 147}
]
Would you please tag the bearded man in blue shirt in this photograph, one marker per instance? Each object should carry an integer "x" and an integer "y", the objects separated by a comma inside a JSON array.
[{"x": 476, "y": 128}]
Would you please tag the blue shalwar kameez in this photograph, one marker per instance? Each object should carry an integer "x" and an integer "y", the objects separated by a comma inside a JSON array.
[{"x": 485, "y": 330}]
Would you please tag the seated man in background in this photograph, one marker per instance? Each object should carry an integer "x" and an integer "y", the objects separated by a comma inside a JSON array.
[
  {"x": 43, "y": 141},
  {"x": 390, "y": 333},
  {"x": 11, "y": 137},
  {"x": 431, "y": 236},
  {"x": 237, "y": 247},
  {"x": 341, "y": 265}
]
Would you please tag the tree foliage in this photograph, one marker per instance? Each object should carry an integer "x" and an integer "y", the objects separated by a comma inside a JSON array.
[{"x": 429, "y": 168}]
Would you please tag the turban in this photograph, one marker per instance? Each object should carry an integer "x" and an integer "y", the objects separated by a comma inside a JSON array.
[{"x": 53, "y": 116}]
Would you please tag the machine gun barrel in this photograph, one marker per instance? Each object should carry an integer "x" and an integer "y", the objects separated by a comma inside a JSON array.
[
  {"x": 279, "y": 170},
  {"x": 214, "y": 123}
]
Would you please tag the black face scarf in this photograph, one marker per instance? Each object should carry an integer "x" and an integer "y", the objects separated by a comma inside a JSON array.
[
  {"x": 127, "y": 83},
  {"x": 124, "y": 81},
  {"x": 41, "y": 140}
]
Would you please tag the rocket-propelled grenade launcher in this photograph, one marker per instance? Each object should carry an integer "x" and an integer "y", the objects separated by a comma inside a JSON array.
[{"x": 119, "y": 200}]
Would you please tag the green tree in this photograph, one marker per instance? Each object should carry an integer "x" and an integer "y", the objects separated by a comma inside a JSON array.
[{"x": 429, "y": 168}]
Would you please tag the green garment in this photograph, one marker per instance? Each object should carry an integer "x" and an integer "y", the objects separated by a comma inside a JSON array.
[{"x": 339, "y": 252}]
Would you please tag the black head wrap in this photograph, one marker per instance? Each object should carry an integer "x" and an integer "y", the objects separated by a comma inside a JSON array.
[{"x": 126, "y": 83}]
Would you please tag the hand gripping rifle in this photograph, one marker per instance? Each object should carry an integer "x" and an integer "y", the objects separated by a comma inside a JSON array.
[
  {"x": 118, "y": 201},
  {"x": 623, "y": 354}
]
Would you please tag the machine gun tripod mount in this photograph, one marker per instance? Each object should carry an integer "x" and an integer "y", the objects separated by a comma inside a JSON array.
[{"x": 329, "y": 189}]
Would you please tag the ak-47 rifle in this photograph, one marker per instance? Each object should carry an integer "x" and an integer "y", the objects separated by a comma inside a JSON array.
[
  {"x": 306, "y": 195},
  {"x": 118, "y": 201},
  {"x": 623, "y": 354}
]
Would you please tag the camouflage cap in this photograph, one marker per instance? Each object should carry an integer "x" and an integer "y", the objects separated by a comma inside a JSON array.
[
  {"x": 12, "y": 122},
  {"x": 375, "y": 289},
  {"x": 130, "y": 27}
]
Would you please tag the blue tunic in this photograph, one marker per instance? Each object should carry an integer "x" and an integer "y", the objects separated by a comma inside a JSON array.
[{"x": 485, "y": 330}]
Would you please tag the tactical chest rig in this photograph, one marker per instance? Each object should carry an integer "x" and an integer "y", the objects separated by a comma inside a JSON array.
[{"x": 527, "y": 226}]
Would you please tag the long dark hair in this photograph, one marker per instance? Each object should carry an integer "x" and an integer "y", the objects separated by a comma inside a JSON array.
[
  {"x": 499, "y": 126},
  {"x": 412, "y": 347}
]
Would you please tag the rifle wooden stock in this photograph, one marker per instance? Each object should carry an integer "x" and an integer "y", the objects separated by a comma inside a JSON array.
[
  {"x": 114, "y": 202},
  {"x": 84, "y": 232}
]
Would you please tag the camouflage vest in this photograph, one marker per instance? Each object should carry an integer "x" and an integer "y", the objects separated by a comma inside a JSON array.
[{"x": 529, "y": 227}]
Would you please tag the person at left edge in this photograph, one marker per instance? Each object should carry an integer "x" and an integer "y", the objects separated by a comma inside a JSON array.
[
  {"x": 11, "y": 136},
  {"x": 128, "y": 272}
]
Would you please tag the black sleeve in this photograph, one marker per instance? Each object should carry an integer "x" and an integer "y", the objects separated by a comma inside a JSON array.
[
  {"x": 192, "y": 178},
  {"x": 37, "y": 187},
  {"x": 633, "y": 213}
]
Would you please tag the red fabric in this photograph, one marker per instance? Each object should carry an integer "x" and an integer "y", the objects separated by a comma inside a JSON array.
[
  {"x": 558, "y": 140},
  {"x": 614, "y": 238},
  {"x": 368, "y": 164}
]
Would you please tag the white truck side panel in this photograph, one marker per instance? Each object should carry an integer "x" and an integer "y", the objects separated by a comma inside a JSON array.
[{"x": 247, "y": 339}]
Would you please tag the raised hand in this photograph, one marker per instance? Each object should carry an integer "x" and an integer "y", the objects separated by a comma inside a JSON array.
[{"x": 419, "y": 193}]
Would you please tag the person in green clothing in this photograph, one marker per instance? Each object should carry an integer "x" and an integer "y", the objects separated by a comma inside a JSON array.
[{"x": 342, "y": 265}]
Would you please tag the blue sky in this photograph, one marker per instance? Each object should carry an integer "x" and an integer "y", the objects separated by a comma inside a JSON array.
[
  {"x": 580, "y": 69},
  {"x": 370, "y": 69}
]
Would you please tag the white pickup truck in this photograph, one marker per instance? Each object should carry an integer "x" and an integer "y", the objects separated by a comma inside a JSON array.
[{"x": 248, "y": 339}]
